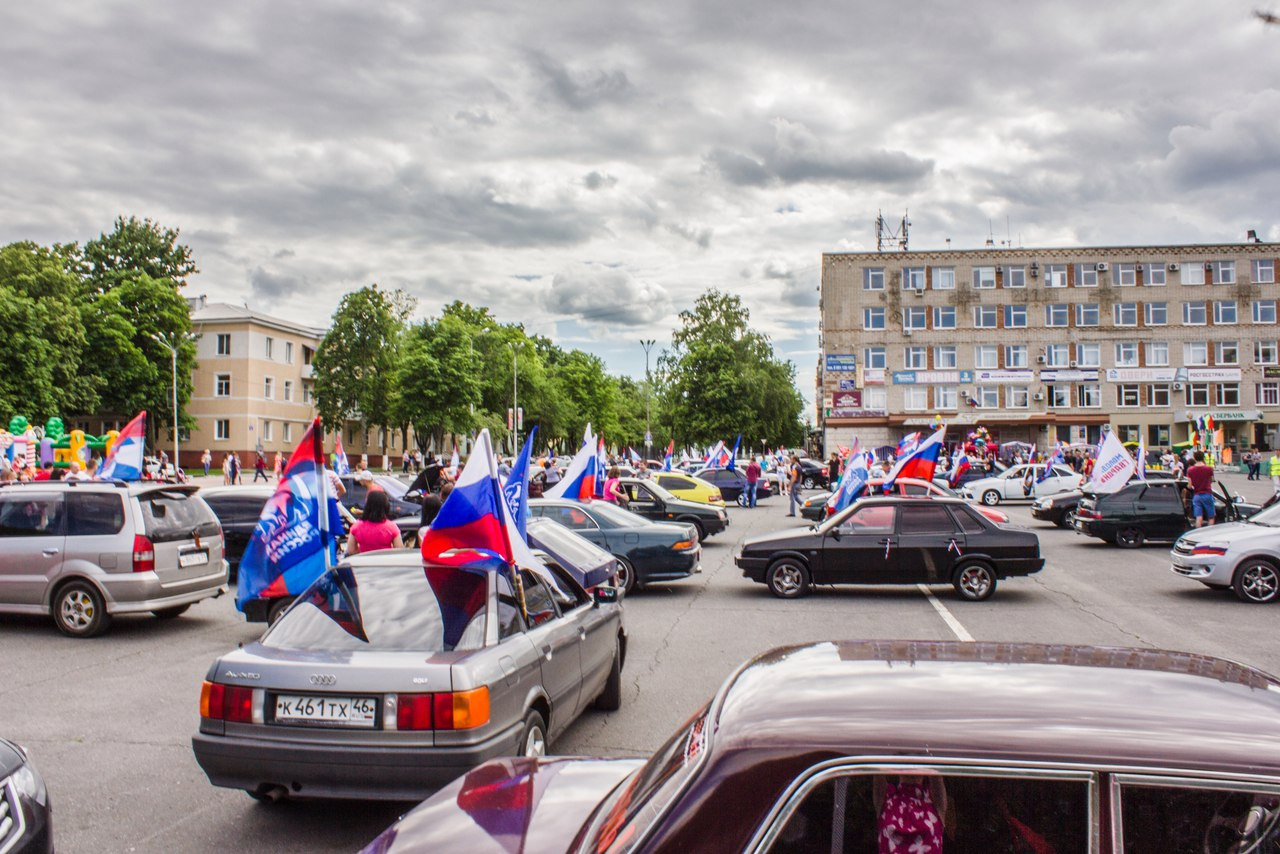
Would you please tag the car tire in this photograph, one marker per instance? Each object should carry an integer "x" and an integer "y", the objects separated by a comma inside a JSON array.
[
  {"x": 610, "y": 699},
  {"x": 742, "y": 499},
  {"x": 277, "y": 609},
  {"x": 991, "y": 498},
  {"x": 1064, "y": 518},
  {"x": 788, "y": 578},
  {"x": 626, "y": 575},
  {"x": 170, "y": 613},
  {"x": 809, "y": 482},
  {"x": 78, "y": 610},
  {"x": 975, "y": 581},
  {"x": 702, "y": 531},
  {"x": 1129, "y": 538},
  {"x": 533, "y": 740},
  {"x": 1256, "y": 581}
]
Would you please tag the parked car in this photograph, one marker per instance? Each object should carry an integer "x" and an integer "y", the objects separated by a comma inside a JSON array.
[
  {"x": 1008, "y": 485},
  {"x": 1243, "y": 556},
  {"x": 815, "y": 506},
  {"x": 1060, "y": 508},
  {"x": 387, "y": 679},
  {"x": 26, "y": 816},
  {"x": 1148, "y": 510},
  {"x": 689, "y": 488},
  {"x": 651, "y": 501},
  {"x": 402, "y": 501},
  {"x": 647, "y": 551},
  {"x": 893, "y": 540},
  {"x": 813, "y": 474},
  {"x": 86, "y": 551},
  {"x": 732, "y": 484},
  {"x": 1136, "y": 760},
  {"x": 590, "y": 565}
]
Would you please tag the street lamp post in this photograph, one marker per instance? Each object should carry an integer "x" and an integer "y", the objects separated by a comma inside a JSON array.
[
  {"x": 515, "y": 401},
  {"x": 172, "y": 343},
  {"x": 647, "y": 344}
]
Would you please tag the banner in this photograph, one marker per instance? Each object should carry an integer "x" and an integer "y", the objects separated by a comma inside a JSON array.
[{"x": 1114, "y": 466}]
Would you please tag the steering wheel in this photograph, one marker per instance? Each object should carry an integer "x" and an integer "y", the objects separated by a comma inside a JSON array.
[{"x": 1231, "y": 832}]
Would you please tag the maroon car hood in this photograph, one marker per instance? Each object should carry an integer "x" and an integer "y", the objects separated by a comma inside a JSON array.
[{"x": 507, "y": 806}]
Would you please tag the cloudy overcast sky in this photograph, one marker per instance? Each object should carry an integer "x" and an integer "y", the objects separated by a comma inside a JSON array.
[{"x": 590, "y": 168}]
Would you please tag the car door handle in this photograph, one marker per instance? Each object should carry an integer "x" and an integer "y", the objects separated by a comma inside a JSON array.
[
  {"x": 546, "y": 652},
  {"x": 49, "y": 552},
  {"x": 1142, "y": 507},
  {"x": 582, "y": 633},
  {"x": 886, "y": 541}
]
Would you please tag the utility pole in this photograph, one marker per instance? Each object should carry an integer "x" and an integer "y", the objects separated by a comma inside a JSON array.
[
  {"x": 515, "y": 401},
  {"x": 172, "y": 343},
  {"x": 647, "y": 344}
]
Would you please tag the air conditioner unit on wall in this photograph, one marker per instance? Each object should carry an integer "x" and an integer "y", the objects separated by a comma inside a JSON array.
[
  {"x": 1074, "y": 363},
  {"x": 1101, "y": 266},
  {"x": 906, "y": 332},
  {"x": 1173, "y": 268},
  {"x": 1177, "y": 386},
  {"x": 919, "y": 292},
  {"x": 1040, "y": 360},
  {"x": 1037, "y": 397}
]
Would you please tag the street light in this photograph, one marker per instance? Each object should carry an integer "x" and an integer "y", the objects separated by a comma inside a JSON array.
[
  {"x": 515, "y": 401},
  {"x": 172, "y": 343},
  {"x": 647, "y": 344}
]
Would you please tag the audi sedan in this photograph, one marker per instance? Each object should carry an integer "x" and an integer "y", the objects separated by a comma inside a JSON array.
[{"x": 386, "y": 679}]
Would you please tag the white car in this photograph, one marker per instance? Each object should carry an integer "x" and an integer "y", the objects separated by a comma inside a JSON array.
[
  {"x": 1008, "y": 485},
  {"x": 1240, "y": 556}
]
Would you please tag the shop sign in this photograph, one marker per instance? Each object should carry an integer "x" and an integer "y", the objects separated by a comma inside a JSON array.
[
  {"x": 847, "y": 385},
  {"x": 989, "y": 377},
  {"x": 841, "y": 363},
  {"x": 847, "y": 400},
  {"x": 856, "y": 413},
  {"x": 1213, "y": 374},
  {"x": 1068, "y": 376},
  {"x": 1140, "y": 375},
  {"x": 873, "y": 376},
  {"x": 1271, "y": 373},
  {"x": 1229, "y": 415},
  {"x": 931, "y": 377}
]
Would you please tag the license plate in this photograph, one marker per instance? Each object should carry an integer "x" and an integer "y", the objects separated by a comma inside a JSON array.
[
  {"x": 193, "y": 558},
  {"x": 334, "y": 711}
]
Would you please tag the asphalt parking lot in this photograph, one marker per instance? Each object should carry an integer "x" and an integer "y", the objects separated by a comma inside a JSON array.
[{"x": 108, "y": 721}]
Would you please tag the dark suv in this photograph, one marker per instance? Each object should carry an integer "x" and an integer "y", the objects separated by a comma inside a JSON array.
[{"x": 1148, "y": 510}]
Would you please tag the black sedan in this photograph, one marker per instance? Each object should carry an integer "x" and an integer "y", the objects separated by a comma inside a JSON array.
[
  {"x": 647, "y": 551},
  {"x": 894, "y": 540},
  {"x": 1149, "y": 510},
  {"x": 652, "y": 501},
  {"x": 1060, "y": 508},
  {"x": 26, "y": 817}
]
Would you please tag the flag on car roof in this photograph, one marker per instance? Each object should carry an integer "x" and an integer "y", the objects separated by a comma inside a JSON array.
[
  {"x": 666, "y": 461},
  {"x": 733, "y": 455},
  {"x": 908, "y": 444},
  {"x": 340, "y": 464},
  {"x": 602, "y": 466},
  {"x": 1050, "y": 461},
  {"x": 717, "y": 456},
  {"x": 470, "y": 525},
  {"x": 516, "y": 490},
  {"x": 959, "y": 465},
  {"x": 579, "y": 481},
  {"x": 919, "y": 462},
  {"x": 292, "y": 545},
  {"x": 125, "y": 462}
]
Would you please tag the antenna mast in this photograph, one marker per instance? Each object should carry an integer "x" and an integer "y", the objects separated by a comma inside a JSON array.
[{"x": 885, "y": 235}]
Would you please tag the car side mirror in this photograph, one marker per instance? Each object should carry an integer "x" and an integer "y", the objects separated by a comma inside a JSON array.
[
  {"x": 1239, "y": 499},
  {"x": 835, "y": 532},
  {"x": 604, "y": 595}
]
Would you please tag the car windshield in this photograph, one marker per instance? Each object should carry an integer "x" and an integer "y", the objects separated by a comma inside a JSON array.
[
  {"x": 393, "y": 487},
  {"x": 1269, "y": 518},
  {"x": 615, "y": 517},
  {"x": 386, "y": 608}
]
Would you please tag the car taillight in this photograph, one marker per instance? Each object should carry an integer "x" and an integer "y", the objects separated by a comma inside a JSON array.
[
  {"x": 413, "y": 711},
  {"x": 1088, "y": 514},
  {"x": 144, "y": 554},
  {"x": 226, "y": 702},
  {"x": 462, "y": 709},
  {"x": 715, "y": 496}
]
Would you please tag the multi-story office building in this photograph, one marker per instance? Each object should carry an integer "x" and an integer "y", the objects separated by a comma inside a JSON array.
[{"x": 1039, "y": 345}]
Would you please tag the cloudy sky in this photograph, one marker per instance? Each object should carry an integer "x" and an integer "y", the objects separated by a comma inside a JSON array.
[{"x": 590, "y": 168}]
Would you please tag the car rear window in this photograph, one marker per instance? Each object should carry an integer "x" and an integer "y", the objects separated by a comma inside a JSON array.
[
  {"x": 92, "y": 514},
  {"x": 386, "y": 608},
  {"x": 171, "y": 516}
]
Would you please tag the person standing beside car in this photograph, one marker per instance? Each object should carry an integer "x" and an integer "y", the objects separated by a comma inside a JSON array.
[
  {"x": 1200, "y": 477},
  {"x": 793, "y": 484},
  {"x": 753, "y": 481},
  {"x": 374, "y": 531}
]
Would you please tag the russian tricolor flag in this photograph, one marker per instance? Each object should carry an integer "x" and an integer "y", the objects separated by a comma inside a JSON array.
[
  {"x": 471, "y": 523},
  {"x": 920, "y": 462},
  {"x": 959, "y": 466},
  {"x": 579, "y": 481},
  {"x": 125, "y": 460},
  {"x": 852, "y": 481}
]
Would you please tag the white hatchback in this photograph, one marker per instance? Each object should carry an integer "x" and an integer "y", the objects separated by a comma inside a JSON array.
[
  {"x": 1240, "y": 556},
  {"x": 1010, "y": 484}
]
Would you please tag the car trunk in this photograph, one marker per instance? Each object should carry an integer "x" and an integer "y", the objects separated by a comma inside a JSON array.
[{"x": 183, "y": 532}]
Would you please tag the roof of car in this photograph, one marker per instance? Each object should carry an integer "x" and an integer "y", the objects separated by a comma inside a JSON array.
[
  {"x": 134, "y": 487},
  {"x": 1106, "y": 706}
]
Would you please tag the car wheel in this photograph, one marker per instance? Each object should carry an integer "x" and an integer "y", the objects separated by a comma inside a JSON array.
[
  {"x": 78, "y": 610},
  {"x": 1257, "y": 581},
  {"x": 170, "y": 613},
  {"x": 277, "y": 609},
  {"x": 610, "y": 699},
  {"x": 534, "y": 740},
  {"x": 1129, "y": 538},
  {"x": 809, "y": 482},
  {"x": 975, "y": 581},
  {"x": 702, "y": 532},
  {"x": 991, "y": 498},
  {"x": 626, "y": 575},
  {"x": 742, "y": 499},
  {"x": 788, "y": 579},
  {"x": 1064, "y": 519}
]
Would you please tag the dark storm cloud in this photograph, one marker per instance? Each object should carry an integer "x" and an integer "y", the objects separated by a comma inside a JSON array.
[{"x": 780, "y": 165}]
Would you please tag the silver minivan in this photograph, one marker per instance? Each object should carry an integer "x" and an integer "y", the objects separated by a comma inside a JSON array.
[{"x": 84, "y": 551}]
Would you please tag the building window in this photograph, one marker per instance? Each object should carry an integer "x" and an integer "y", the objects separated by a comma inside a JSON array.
[
  {"x": 1264, "y": 311},
  {"x": 308, "y": 353},
  {"x": 985, "y": 357},
  {"x": 1056, "y": 314},
  {"x": 288, "y": 352},
  {"x": 1226, "y": 353},
  {"x": 1055, "y": 275},
  {"x": 1156, "y": 313},
  {"x": 944, "y": 317},
  {"x": 944, "y": 357},
  {"x": 1126, "y": 354},
  {"x": 1193, "y": 313},
  {"x": 1128, "y": 396},
  {"x": 1057, "y": 355},
  {"x": 306, "y": 394},
  {"x": 873, "y": 279},
  {"x": 1091, "y": 396},
  {"x": 1192, "y": 273},
  {"x": 1153, "y": 274},
  {"x": 944, "y": 278},
  {"x": 1126, "y": 275},
  {"x": 268, "y": 387},
  {"x": 224, "y": 344},
  {"x": 873, "y": 357},
  {"x": 989, "y": 396},
  {"x": 1267, "y": 394},
  {"x": 1222, "y": 272},
  {"x": 1195, "y": 353},
  {"x": 1158, "y": 394},
  {"x": 222, "y": 385},
  {"x": 984, "y": 278},
  {"x": 287, "y": 390},
  {"x": 1015, "y": 356},
  {"x": 984, "y": 316},
  {"x": 1224, "y": 312},
  {"x": 915, "y": 317},
  {"x": 288, "y": 432},
  {"x": 913, "y": 278},
  {"x": 1264, "y": 271},
  {"x": 1197, "y": 394},
  {"x": 1157, "y": 353},
  {"x": 1087, "y": 314},
  {"x": 1089, "y": 355},
  {"x": 875, "y": 398},
  {"x": 915, "y": 358},
  {"x": 1015, "y": 277},
  {"x": 1264, "y": 352},
  {"x": 266, "y": 431},
  {"x": 1017, "y": 397},
  {"x": 222, "y": 429},
  {"x": 915, "y": 398},
  {"x": 873, "y": 318},
  {"x": 944, "y": 397},
  {"x": 1015, "y": 316},
  {"x": 270, "y": 345},
  {"x": 1228, "y": 394},
  {"x": 1086, "y": 276},
  {"x": 1059, "y": 396},
  {"x": 1125, "y": 314}
]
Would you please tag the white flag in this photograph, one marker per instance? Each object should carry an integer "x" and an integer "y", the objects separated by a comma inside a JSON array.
[{"x": 1114, "y": 466}]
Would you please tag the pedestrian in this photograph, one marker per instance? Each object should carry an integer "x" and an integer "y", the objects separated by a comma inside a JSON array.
[
  {"x": 552, "y": 472},
  {"x": 206, "y": 460},
  {"x": 1274, "y": 470},
  {"x": 226, "y": 470},
  {"x": 260, "y": 468},
  {"x": 1201, "y": 485},
  {"x": 374, "y": 531},
  {"x": 793, "y": 484},
  {"x": 1254, "y": 459},
  {"x": 833, "y": 469},
  {"x": 405, "y": 461},
  {"x": 613, "y": 491},
  {"x": 235, "y": 469},
  {"x": 753, "y": 481}
]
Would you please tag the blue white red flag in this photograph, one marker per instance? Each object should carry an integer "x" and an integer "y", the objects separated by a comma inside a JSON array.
[
  {"x": 919, "y": 462},
  {"x": 733, "y": 455},
  {"x": 340, "y": 464},
  {"x": 579, "y": 481},
  {"x": 1050, "y": 460},
  {"x": 717, "y": 456},
  {"x": 516, "y": 490},
  {"x": 959, "y": 465},
  {"x": 852, "y": 481},
  {"x": 631, "y": 452},
  {"x": 291, "y": 544},
  {"x": 666, "y": 461},
  {"x": 602, "y": 467},
  {"x": 125, "y": 462},
  {"x": 471, "y": 524},
  {"x": 908, "y": 444}
]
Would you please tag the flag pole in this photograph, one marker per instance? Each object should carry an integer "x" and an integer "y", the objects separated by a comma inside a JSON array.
[{"x": 322, "y": 488}]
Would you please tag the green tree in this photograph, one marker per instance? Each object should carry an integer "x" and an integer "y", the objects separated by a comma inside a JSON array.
[
  {"x": 436, "y": 389},
  {"x": 135, "y": 247}
]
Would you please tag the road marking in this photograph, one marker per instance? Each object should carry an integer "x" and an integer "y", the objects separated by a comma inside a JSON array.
[{"x": 947, "y": 616}]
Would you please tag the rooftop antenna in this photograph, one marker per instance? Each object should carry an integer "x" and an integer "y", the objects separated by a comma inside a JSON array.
[
  {"x": 991, "y": 235},
  {"x": 884, "y": 234}
]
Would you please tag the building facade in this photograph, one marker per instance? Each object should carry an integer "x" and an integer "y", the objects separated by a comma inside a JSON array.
[{"x": 1040, "y": 345}]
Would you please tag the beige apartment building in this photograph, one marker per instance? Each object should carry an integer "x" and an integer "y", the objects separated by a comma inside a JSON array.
[{"x": 1040, "y": 345}]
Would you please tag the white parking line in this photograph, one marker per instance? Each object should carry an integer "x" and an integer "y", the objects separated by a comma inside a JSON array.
[{"x": 947, "y": 616}]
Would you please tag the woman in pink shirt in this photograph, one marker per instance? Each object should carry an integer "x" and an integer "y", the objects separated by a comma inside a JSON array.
[{"x": 374, "y": 531}]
